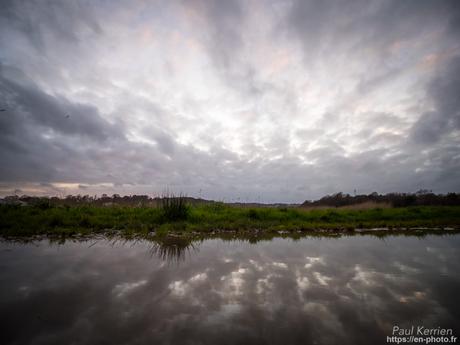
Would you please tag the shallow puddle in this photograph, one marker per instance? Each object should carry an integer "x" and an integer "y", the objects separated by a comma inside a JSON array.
[{"x": 349, "y": 290}]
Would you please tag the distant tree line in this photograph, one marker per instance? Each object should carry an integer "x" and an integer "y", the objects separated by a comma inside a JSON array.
[
  {"x": 104, "y": 200},
  {"x": 420, "y": 198}
]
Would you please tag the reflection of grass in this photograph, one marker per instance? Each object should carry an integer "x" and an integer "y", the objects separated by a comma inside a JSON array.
[
  {"x": 172, "y": 249},
  {"x": 205, "y": 219},
  {"x": 175, "y": 248}
]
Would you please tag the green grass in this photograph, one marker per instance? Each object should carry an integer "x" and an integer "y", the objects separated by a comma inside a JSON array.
[{"x": 143, "y": 221}]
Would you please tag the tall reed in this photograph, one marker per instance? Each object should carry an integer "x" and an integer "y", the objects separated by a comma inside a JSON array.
[{"x": 174, "y": 208}]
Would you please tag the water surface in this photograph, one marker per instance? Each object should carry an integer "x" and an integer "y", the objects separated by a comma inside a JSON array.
[{"x": 349, "y": 290}]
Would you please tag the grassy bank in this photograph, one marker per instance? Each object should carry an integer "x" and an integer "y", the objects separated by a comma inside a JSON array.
[{"x": 48, "y": 220}]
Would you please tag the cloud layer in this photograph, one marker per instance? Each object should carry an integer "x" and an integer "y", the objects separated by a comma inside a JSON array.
[{"x": 269, "y": 101}]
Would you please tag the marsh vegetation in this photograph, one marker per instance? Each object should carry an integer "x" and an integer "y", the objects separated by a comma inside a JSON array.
[{"x": 176, "y": 216}]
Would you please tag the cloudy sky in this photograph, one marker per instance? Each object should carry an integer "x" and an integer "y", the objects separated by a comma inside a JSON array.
[{"x": 281, "y": 100}]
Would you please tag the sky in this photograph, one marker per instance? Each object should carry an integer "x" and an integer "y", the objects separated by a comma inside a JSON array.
[{"x": 266, "y": 101}]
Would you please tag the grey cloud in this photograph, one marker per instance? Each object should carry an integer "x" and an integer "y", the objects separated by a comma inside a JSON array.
[
  {"x": 225, "y": 41},
  {"x": 56, "y": 54},
  {"x": 39, "y": 19},
  {"x": 48, "y": 138},
  {"x": 444, "y": 90},
  {"x": 321, "y": 25},
  {"x": 311, "y": 22},
  {"x": 165, "y": 141},
  {"x": 67, "y": 156},
  {"x": 369, "y": 84},
  {"x": 370, "y": 30},
  {"x": 223, "y": 20},
  {"x": 28, "y": 102},
  {"x": 453, "y": 26}
]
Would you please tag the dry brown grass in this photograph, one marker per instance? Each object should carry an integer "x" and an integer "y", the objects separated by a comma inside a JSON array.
[{"x": 363, "y": 206}]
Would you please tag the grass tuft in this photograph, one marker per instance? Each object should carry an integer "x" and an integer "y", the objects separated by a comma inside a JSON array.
[{"x": 174, "y": 208}]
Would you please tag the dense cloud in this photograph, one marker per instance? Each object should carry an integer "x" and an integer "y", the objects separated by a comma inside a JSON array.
[
  {"x": 270, "y": 101},
  {"x": 445, "y": 118}
]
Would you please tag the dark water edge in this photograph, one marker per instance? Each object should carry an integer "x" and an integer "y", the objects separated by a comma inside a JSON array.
[{"x": 333, "y": 289}]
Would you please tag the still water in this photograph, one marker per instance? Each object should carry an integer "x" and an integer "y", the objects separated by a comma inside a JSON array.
[{"x": 349, "y": 290}]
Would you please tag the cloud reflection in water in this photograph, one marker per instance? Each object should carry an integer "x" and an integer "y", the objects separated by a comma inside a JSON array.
[{"x": 324, "y": 291}]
